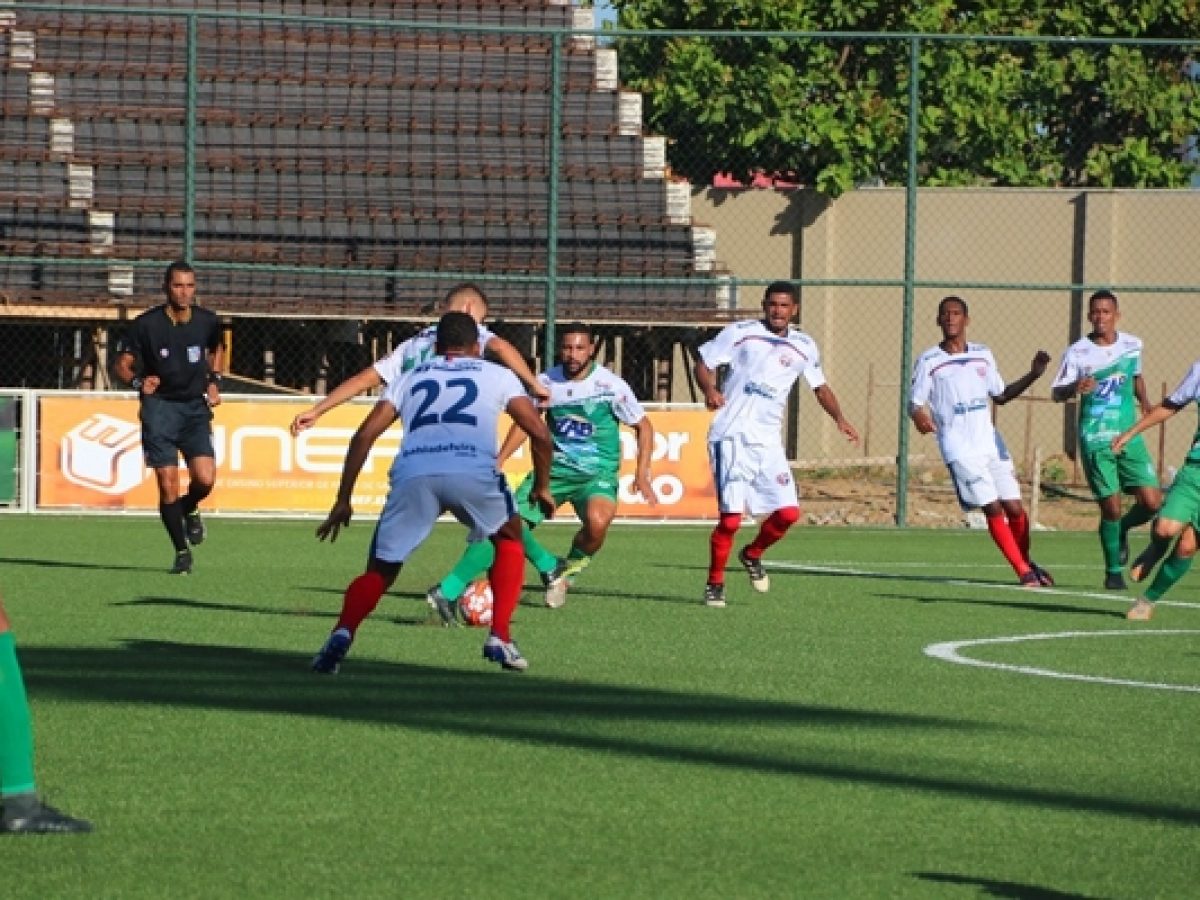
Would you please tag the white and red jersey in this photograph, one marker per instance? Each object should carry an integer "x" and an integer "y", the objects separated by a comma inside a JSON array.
[
  {"x": 763, "y": 366},
  {"x": 450, "y": 409},
  {"x": 416, "y": 350},
  {"x": 958, "y": 388}
]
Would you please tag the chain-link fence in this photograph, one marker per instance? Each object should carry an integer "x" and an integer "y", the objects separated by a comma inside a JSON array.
[{"x": 332, "y": 168}]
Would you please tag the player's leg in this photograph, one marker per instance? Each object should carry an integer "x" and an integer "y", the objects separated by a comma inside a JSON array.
[
  {"x": 773, "y": 495},
  {"x": 975, "y": 485},
  {"x": 195, "y": 443},
  {"x": 731, "y": 485},
  {"x": 476, "y": 559},
  {"x": 1101, "y": 470},
  {"x": 542, "y": 559},
  {"x": 1008, "y": 489},
  {"x": 20, "y": 809},
  {"x": 1135, "y": 469},
  {"x": 1177, "y": 510},
  {"x": 1169, "y": 573}
]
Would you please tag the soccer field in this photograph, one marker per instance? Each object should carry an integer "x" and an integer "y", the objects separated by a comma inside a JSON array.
[{"x": 894, "y": 719}]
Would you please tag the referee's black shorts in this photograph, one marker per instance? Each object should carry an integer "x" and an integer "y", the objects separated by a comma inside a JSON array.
[{"x": 171, "y": 427}]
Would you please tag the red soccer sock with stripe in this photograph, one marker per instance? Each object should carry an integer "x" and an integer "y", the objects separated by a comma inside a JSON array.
[
  {"x": 505, "y": 575},
  {"x": 772, "y": 530},
  {"x": 720, "y": 544},
  {"x": 1003, "y": 536},
  {"x": 360, "y": 600},
  {"x": 1019, "y": 525}
]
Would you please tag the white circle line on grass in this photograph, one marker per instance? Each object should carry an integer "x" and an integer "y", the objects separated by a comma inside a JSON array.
[
  {"x": 956, "y": 582},
  {"x": 949, "y": 652}
]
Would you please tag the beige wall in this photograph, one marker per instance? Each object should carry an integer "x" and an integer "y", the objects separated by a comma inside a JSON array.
[{"x": 1020, "y": 246}]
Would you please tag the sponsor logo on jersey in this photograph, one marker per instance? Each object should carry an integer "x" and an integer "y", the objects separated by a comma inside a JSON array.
[
  {"x": 756, "y": 389},
  {"x": 573, "y": 428}
]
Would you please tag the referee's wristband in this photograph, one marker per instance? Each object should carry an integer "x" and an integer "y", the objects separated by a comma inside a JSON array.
[
  {"x": 136, "y": 384},
  {"x": 214, "y": 378}
]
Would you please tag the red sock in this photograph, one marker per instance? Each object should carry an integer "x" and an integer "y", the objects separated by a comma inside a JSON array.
[
  {"x": 506, "y": 575},
  {"x": 1003, "y": 536},
  {"x": 1019, "y": 524},
  {"x": 775, "y": 527},
  {"x": 719, "y": 545},
  {"x": 360, "y": 599}
]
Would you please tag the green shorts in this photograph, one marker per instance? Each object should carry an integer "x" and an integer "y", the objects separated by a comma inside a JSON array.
[
  {"x": 573, "y": 489},
  {"x": 1183, "y": 499},
  {"x": 1107, "y": 473}
]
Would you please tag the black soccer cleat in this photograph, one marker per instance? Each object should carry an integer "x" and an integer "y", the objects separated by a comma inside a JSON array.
[
  {"x": 183, "y": 563},
  {"x": 36, "y": 817},
  {"x": 1114, "y": 581},
  {"x": 194, "y": 528}
]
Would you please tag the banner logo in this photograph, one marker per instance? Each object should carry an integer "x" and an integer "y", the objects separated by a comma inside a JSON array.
[{"x": 103, "y": 453}]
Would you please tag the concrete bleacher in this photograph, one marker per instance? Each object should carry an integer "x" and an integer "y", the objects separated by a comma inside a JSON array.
[{"x": 332, "y": 146}]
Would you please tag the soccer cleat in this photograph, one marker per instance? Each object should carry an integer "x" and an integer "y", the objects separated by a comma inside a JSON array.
[
  {"x": 35, "y": 817},
  {"x": 329, "y": 659},
  {"x": 505, "y": 653},
  {"x": 556, "y": 585},
  {"x": 1114, "y": 581},
  {"x": 1031, "y": 580},
  {"x": 1142, "y": 611},
  {"x": 183, "y": 563},
  {"x": 759, "y": 580},
  {"x": 444, "y": 607},
  {"x": 194, "y": 526},
  {"x": 714, "y": 596},
  {"x": 1045, "y": 579}
]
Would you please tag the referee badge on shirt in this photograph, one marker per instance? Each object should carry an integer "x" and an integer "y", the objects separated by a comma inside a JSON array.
[{"x": 193, "y": 354}]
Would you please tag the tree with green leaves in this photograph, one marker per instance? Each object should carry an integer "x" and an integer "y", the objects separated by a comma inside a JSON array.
[{"x": 831, "y": 110}]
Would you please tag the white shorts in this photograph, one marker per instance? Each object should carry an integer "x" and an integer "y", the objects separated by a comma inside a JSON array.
[
  {"x": 481, "y": 502},
  {"x": 984, "y": 479},
  {"x": 751, "y": 478}
]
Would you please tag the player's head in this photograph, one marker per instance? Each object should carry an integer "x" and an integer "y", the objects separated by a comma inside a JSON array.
[
  {"x": 179, "y": 284},
  {"x": 780, "y": 302},
  {"x": 1103, "y": 312},
  {"x": 952, "y": 316},
  {"x": 458, "y": 333},
  {"x": 467, "y": 298},
  {"x": 576, "y": 346}
]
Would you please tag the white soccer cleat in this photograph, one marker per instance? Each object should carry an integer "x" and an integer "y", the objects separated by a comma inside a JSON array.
[{"x": 759, "y": 579}]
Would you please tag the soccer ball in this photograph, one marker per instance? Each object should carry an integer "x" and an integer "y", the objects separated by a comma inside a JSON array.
[{"x": 475, "y": 604}]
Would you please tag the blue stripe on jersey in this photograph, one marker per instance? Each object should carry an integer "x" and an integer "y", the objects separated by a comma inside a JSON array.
[
  {"x": 773, "y": 341},
  {"x": 958, "y": 362}
]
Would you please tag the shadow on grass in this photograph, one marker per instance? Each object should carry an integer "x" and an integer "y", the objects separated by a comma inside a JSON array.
[
  {"x": 293, "y": 612},
  {"x": 524, "y": 709},
  {"x": 1012, "y": 890},
  {"x": 67, "y": 564},
  {"x": 1031, "y": 605}
]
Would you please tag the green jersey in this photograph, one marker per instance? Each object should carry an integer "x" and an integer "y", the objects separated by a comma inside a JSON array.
[
  {"x": 585, "y": 417},
  {"x": 1112, "y": 406}
]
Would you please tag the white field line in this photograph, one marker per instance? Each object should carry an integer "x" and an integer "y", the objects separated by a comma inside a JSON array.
[
  {"x": 817, "y": 569},
  {"x": 949, "y": 652}
]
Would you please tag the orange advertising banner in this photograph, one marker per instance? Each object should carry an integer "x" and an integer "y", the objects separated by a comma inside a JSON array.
[{"x": 90, "y": 457}]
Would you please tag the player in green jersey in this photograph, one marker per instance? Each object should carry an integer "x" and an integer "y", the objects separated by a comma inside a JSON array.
[
  {"x": 1179, "y": 518},
  {"x": 587, "y": 406},
  {"x": 1104, "y": 370}
]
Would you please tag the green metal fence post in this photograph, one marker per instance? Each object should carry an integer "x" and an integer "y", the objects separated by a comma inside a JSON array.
[
  {"x": 189, "y": 143},
  {"x": 549, "y": 349}
]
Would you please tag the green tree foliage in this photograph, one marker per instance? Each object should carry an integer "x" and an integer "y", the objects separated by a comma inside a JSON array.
[{"x": 833, "y": 111}]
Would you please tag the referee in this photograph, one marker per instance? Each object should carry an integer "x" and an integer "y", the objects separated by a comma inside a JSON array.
[{"x": 172, "y": 356}]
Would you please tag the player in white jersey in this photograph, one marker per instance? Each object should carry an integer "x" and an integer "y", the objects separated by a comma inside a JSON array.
[
  {"x": 417, "y": 349},
  {"x": 450, "y": 408},
  {"x": 745, "y": 448},
  {"x": 1179, "y": 518},
  {"x": 1103, "y": 369},
  {"x": 953, "y": 386}
]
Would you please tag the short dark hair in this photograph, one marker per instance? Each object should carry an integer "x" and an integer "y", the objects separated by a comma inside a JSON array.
[
  {"x": 953, "y": 299},
  {"x": 178, "y": 266},
  {"x": 1104, "y": 294},
  {"x": 782, "y": 287},
  {"x": 456, "y": 331},
  {"x": 577, "y": 328},
  {"x": 466, "y": 287}
]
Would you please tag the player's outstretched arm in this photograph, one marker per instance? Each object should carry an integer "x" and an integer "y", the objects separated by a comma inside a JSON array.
[
  {"x": 526, "y": 417},
  {"x": 508, "y": 355},
  {"x": 1015, "y": 389},
  {"x": 1156, "y": 416},
  {"x": 512, "y": 443},
  {"x": 645, "y": 449},
  {"x": 829, "y": 402},
  {"x": 364, "y": 381},
  {"x": 707, "y": 379},
  {"x": 376, "y": 423}
]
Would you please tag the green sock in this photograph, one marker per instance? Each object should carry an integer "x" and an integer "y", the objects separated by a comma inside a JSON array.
[
  {"x": 16, "y": 729},
  {"x": 474, "y": 562},
  {"x": 1110, "y": 543},
  {"x": 543, "y": 560},
  {"x": 1137, "y": 515},
  {"x": 577, "y": 561},
  {"x": 1170, "y": 572}
]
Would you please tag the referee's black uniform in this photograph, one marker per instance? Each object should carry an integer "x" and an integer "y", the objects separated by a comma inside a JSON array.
[{"x": 176, "y": 418}]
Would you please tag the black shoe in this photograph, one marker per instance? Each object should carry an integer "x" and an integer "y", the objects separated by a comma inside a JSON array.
[
  {"x": 1114, "y": 581},
  {"x": 183, "y": 563},
  {"x": 194, "y": 526},
  {"x": 1044, "y": 577},
  {"x": 36, "y": 817}
]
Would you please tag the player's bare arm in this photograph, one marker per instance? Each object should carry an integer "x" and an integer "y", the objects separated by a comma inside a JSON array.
[
  {"x": 1156, "y": 416},
  {"x": 526, "y": 417},
  {"x": 645, "y": 449},
  {"x": 1015, "y": 389},
  {"x": 512, "y": 443},
  {"x": 1139, "y": 392},
  {"x": 829, "y": 402},
  {"x": 364, "y": 381},
  {"x": 508, "y": 355},
  {"x": 376, "y": 423},
  {"x": 707, "y": 379},
  {"x": 923, "y": 420},
  {"x": 216, "y": 366}
]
